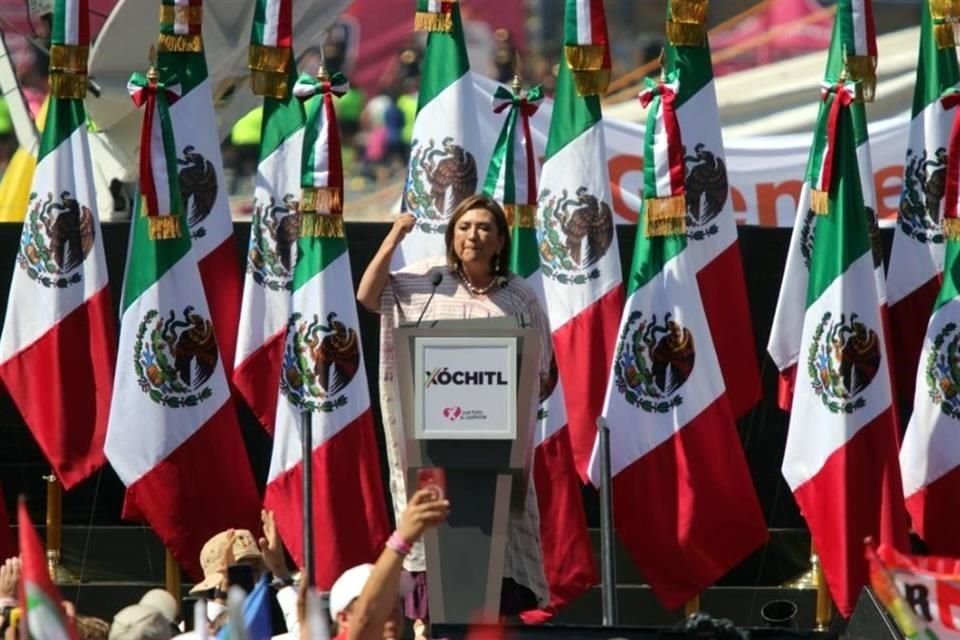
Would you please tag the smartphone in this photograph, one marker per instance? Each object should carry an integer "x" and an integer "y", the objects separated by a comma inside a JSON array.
[
  {"x": 241, "y": 575},
  {"x": 433, "y": 478}
]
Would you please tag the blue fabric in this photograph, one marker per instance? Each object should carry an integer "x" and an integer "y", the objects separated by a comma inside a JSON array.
[{"x": 256, "y": 615}]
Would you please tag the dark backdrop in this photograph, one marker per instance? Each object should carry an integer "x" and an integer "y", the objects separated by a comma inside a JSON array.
[{"x": 98, "y": 499}]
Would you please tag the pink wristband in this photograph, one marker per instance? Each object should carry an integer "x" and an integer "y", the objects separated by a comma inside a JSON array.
[{"x": 398, "y": 544}]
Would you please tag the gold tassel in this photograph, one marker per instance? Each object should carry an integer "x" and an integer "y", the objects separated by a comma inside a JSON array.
[
  {"x": 527, "y": 215},
  {"x": 863, "y": 69},
  {"x": 321, "y": 199},
  {"x": 180, "y": 43},
  {"x": 947, "y": 35},
  {"x": 666, "y": 216},
  {"x": 68, "y": 85},
  {"x": 585, "y": 57},
  {"x": 69, "y": 58},
  {"x": 182, "y": 14},
  {"x": 268, "y": 83},
  {"x": 164, "y": 227},
  {"x": 262, "y": 58},
  {"x": 686, "y": 34},
  {"x": 321, "y": 225},
  {"x": 819, "y": 201},
  {"x": 591, "y": 83},
  {"x": 689, "y": 11},
  {"x": 435, "y": 22},
  {"x": 951, "y": 228}
]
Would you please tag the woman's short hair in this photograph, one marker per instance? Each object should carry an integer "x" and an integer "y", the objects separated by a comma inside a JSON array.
[{"x": 500, "y": 263}]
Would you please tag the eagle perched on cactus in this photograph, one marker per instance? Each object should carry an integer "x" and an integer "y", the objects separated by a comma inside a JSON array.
[{"x": 198, "y": 184}]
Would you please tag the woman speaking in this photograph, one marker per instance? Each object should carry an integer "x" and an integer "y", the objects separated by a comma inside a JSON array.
[{"x": 470, "y": 281}]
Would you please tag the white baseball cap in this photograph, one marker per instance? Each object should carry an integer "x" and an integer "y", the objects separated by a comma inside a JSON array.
[{"x": 348, "y": 586}]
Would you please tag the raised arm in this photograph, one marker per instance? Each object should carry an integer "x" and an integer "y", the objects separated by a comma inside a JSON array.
[{"x": 375, "y": 277}]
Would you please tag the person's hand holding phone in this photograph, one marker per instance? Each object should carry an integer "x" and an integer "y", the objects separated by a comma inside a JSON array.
[{"x": 427, "y": 508}]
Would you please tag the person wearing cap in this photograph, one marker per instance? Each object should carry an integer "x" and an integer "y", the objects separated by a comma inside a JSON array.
[
  {"x": 239, "y": 546},
  {"x": 165, "y": 603},
  {"x": 139, "y": 622},
  {"x": 368, "y": 604}
]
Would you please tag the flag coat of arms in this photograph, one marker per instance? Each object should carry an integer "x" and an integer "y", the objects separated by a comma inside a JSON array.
[
  {"x": 59, "y": 321},
  {"x": 447, "y": 151},
  {"x": 685, "y": 503},
  {"x": 784, "y": 344},
  {"x": 841, "y": 453},
  {"x": 512, "y": 181},
  {"x": 173, "y": 436},
  {"x": 323, "y": 372},
  {"x": 200, "y": 168},
  {"x": 711, "y": 228},
  {"x": 930, "y": 457},
  {"x": 274, "y": 228},
  {"x": 916, "y": 260},
  {"x": 579, "y": 260}
]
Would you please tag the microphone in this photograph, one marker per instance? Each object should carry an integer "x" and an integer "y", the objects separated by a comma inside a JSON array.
[{"x": 435, "y": 282}]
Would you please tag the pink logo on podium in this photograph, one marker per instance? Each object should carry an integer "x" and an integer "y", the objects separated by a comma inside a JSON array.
[{"x": 452, "y": 413}]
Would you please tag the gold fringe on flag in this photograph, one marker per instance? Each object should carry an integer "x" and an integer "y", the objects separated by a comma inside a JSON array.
[
  {"x": 163, "y": 227},
  {"x": 180, "y": 43},
  {"x": 268, "y": 83},
  {"x": 435, "y": 22},
  {"x": 863, "y": 70},
  {"x": 68, "y": 85},
  {"x": 686, "y": 34},
  {"x": 666, "y": 216},
  {"x": 321, "y": 225},
  {"x": 523, "y": 216},
  {"x": 946, "y": 18},
  {"x": 951, "y": 228},
  {"x": 68, "y": 57},
  {"x": 819, "y": 201},
  {"x": 586, "y": 62},
  {"x": 321, "y": 199},
  {"x": 263, "y": 58},
  {"x": 687, "y": 24},
  {"x": 182, "y": 14}
]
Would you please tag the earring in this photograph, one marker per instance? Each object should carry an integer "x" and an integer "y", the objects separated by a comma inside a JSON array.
[{"x": 496, "y": 263}]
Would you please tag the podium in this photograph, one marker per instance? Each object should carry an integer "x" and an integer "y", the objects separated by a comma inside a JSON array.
[{"x": 469, "y": 393}]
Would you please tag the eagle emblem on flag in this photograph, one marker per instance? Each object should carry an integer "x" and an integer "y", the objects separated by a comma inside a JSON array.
[
  {"x": 942, "y": 370},
  {"x": 707, "y": 190},
  {"x": 320, "y": 359},
  {"x": 843, "y": 359},
  {"x": 175, "y": 356},
  {"x": 653, "y": 361},
  {"x": 574, "y": 233},
  {"x": 198, "y": 188},
  {"x": 924, "y": 187},
  {"x": 440, "y": 177},
  {"x": 58, "y": 236},
  {"x": 274, "y": 231}
]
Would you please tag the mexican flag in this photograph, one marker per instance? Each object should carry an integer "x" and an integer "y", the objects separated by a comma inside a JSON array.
[
  {"x": 512, "y": 180},
  {"x": 323, "y": 372},
  {"x": 275, "y": 226},
  {"x": 173, "y": 436},
  {"x": 447, "y": 151},
  {"x": 40, "y": 600},
  {"x": 930, "y": 457},
  {"x": 686, "y": 507},
  {"x": 579, "y": 262},
  {"x": 200, "y": 168},
  {"x": 916, "y": 260},
  {"x": 841, "y": 452},
  {"x": 784, "y": 344},
  {"x": 59, "y": 324},
  {"x": 711, "y": 228}
]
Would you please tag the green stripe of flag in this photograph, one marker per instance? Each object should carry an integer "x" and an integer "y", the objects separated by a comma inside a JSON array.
[
  {"x": 694, "y": 65},
  {"x": 950, "y": 289},
  {"x": 314, "y": 254},
  {"x": 190, "y": 69},
  {"x": 64, "y": 116},
  {"x": 281, "y": 119},
  {"x": 572, "y": 115},
  {"x": 524, "y": 255},
  {"x": 153, "y": 258},
  {"x": 650, "y": 255},
  {"x": 937, "y": 69},
  {"x": 444, "y": 61},
  {"x": 840, "y": 237}
]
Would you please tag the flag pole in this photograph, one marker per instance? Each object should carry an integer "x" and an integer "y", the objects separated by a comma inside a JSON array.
[
  {"x": 824, "y": 603},
  {"x": 172, "y": 577},
  {"x": 306, "y": 454},
  {"x": 54, "y": 524},
  {"x": 692, "y": 606},
  {"x": 609, "y": 568}
]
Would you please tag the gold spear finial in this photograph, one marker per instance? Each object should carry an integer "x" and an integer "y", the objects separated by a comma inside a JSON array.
[
  {"x": 663, "y": 65},
  {"x": 152, "y": 74}
]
